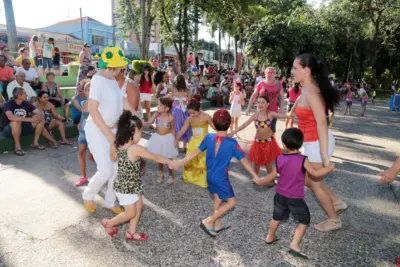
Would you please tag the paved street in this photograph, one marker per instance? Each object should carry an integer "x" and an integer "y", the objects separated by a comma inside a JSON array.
[{"x": 43, "y": 222}]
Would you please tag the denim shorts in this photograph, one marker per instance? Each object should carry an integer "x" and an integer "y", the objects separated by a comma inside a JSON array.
[
  {"x": 364, "y": 103},
  {"x": 349, "y": 103},
  {"x": 47, "y": 63},
  {"x": 82, "y": 138}
]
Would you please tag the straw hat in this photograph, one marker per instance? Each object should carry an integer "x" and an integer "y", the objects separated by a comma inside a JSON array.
[{"x": 112, "y": 57}]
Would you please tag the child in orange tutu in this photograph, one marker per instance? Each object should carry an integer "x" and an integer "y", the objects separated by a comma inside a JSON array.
[{"x": 265, "y": 149}]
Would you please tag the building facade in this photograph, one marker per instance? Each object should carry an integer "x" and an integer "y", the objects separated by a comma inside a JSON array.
[
  {"x": 96, "y": 33},
  {"x": 69, "y": 45}
]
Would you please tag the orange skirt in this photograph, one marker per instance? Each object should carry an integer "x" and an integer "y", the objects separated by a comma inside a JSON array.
[{"x": 264, "y": 152}]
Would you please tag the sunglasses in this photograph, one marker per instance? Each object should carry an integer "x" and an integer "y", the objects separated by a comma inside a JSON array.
[
  {"x": 26, "y": 63},
  {"x": 6, "y": 50}
]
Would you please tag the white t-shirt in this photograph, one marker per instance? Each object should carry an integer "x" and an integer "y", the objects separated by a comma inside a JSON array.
[
  {"x": 32, "y": 50},
  {"x": 31, "y": 74},
  {"x": 201, "y": 61},
  {"x": 109, "y": 96},
  {"x": 362, "y": 91},
  {"x": 47, "y": 48},
  {"x": 28, "y": 89}
]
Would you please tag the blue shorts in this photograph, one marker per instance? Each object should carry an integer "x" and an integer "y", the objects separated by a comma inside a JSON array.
[
  {"x": 364, "y": 103},
  {"x": 349, "y": 103},
  {"x": 47, "y": 63},
  {"x": 223, "y": 189}
]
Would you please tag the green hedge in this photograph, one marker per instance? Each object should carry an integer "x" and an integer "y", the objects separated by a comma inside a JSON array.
[{"x": 138, "y": 65}]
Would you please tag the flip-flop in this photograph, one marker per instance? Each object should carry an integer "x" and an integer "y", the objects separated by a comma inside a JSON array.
[
  {"x": 66, "y": 143},
  {"x": 207, "y": 231},
  {"x": 298, "y": 254},
  {"x": 38, "y": 147},
  {"x": 272, "y": 242},
  {"x": 19, "y": 152},
  {"x": 225, "y": 227}
]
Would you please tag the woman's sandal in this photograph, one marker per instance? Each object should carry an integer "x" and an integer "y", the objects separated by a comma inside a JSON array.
[
  {"x": 66, "y": 143},
  {"x": 336, "y": 224},
  {"x": 131, "y": 236},
  {"x": 298, "y": 254},
  {"x": 171, "y": 180},
  {"x": 38, "y": 147},
  {"x": 19, "y": 152},
  {"x": 160, "y": 180},
  {"x": 114, "y": 230},
  {"x": 340, "y": 206},
  {"x": 54, "y": 145}
]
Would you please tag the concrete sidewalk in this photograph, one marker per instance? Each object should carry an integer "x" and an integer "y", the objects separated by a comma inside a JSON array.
[{"x": 43, "y": 222}]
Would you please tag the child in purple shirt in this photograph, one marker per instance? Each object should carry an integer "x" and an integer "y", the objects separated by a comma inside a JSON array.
[
  {"x": 220, "y": 149},
  {"x": 289, "y": 197}
]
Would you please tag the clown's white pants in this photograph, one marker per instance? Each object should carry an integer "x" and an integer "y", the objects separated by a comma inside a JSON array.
[{"x": 106, "y": 168}]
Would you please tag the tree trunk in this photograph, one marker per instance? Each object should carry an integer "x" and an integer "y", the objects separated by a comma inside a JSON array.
[
  {"x": 185, "y": 35},
  {"x": 11, "y": 28},
  {"x": 143, "y": 33},
  {"x": 219, "y": 48},
  {"x": 236, "y": 51}
]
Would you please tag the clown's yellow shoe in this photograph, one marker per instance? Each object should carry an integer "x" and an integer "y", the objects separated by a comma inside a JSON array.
[
  {"x": 89, "y": 206},
  {"x": 117, "y": 210}
]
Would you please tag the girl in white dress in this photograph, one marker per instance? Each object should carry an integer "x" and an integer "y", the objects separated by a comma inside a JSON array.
[
  {"x": 236, "y": 99},
  {"x": 162, "y": 142}
]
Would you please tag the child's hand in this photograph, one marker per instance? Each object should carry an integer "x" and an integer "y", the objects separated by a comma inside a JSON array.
[
  {"x": 256, "y": 180},
  {"x": 331, "y": 166},
  {"x": 174, "y": 164},
  {"x": 176, "y": 143},
  {"x": 230, "y": 134}
]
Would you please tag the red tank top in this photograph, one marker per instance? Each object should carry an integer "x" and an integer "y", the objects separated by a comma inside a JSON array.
[
  {"x": 145, "y": 87},
  {"x": 307, "y": 124}
]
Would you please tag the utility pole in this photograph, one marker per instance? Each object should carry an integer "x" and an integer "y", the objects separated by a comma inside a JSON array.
[
  {"x": 11, "y": 28},
  {"x": 80, "y": 12}
]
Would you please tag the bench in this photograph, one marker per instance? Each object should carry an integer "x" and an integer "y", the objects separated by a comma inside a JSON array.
[{"x": 7, "y": 144}]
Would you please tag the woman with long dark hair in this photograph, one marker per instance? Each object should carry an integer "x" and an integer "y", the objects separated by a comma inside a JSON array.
[
  {"x": 146, "y": 90},
  {"x": 318, "y": 97}
]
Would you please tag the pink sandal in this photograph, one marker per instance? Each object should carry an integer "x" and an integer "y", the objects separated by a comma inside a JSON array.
[
  {"x": 114, "y": 230},
  {"x": 131, "y": 236}
]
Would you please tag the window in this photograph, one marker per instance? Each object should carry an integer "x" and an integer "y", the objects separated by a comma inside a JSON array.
[{"x": 98, "y": 40}]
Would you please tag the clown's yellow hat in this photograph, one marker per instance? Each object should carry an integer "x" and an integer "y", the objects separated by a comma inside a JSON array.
[{"x": 112, "y": 57}]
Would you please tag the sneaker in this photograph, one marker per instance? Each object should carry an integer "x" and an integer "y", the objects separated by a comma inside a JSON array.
[{"x": 82, "y": 181}]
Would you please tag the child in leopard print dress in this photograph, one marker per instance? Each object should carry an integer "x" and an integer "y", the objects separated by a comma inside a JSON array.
[{"x": 128, "y": 185}]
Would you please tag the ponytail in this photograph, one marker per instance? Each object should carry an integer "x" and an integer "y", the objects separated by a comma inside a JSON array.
[
  {"x": 126, "y": 126},
  {"x": 320, "y": 75}
]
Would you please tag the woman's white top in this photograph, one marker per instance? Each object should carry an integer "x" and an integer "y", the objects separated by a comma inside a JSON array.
[{"x": 110, "y": 98}]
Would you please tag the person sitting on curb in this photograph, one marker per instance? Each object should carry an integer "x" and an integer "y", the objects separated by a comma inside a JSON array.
[
  {"x": 19, "y": 81},
  {"x": 16, "y": 121},
  {"x": 32, "y": 77}
]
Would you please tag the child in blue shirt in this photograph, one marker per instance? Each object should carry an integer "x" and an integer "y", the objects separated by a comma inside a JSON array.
[{"x": 220, "y": 150}]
